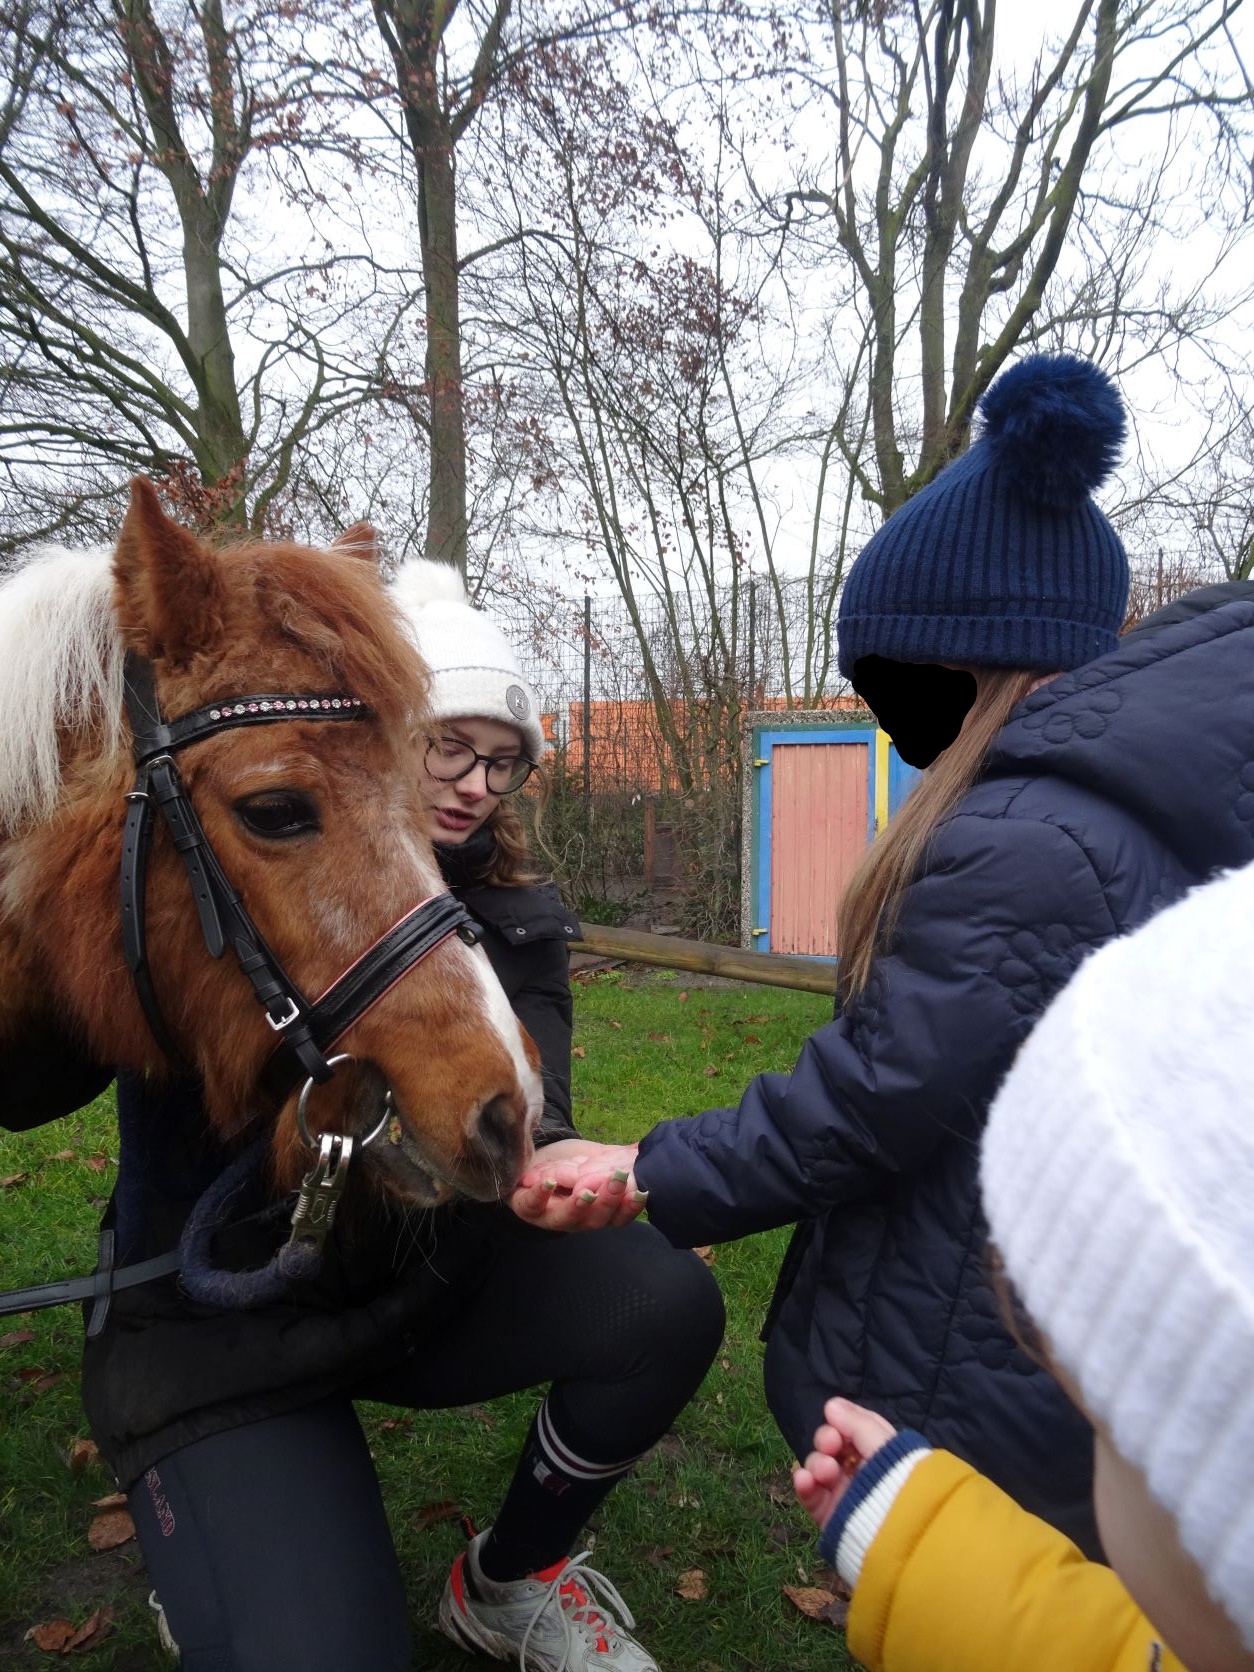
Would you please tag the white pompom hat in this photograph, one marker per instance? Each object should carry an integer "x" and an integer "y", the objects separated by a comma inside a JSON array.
[
  {"x": 475, "y": 670},
  {"x": 1118, "y": 1179}
]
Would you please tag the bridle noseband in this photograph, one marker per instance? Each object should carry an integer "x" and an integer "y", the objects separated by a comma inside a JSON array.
[{"x": 307, "y": 1030}]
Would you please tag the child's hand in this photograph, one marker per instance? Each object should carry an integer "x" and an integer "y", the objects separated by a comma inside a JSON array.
[{"x": 850, "y": 1436}]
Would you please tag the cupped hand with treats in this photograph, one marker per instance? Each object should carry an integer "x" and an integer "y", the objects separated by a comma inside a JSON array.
[{"x": 573, "y": 1185}]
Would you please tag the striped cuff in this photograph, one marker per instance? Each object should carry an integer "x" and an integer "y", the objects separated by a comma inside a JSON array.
[
  {"x": 568, "y": 1462},
  {"x": 864, "y": 1508}
]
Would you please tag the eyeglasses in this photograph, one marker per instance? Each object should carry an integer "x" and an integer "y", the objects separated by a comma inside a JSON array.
[{"x": 448, "y": 759}]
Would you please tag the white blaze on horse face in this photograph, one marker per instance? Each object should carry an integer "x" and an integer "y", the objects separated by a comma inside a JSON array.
[{"x": 502, "y": 1017}]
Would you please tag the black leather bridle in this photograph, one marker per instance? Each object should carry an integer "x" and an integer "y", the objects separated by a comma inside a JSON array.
[{"x": 306, "y": 1029}]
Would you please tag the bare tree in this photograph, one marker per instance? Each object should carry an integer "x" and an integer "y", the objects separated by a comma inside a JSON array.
[
  {"x": 974, "y": 211},
  {"x": 166, "y": 305}
]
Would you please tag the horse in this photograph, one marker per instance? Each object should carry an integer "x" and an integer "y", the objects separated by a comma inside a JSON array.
[{"x": 318, "y": 827}]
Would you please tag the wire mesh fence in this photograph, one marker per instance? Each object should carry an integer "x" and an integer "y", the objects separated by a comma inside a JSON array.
[{"x": 643, "y": 706}]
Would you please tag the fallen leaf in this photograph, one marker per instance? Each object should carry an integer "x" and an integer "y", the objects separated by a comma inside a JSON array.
[
  {"x": 83, "y": 1453},
  {"x": 661, "y": 1038},
  {"x": 430, "y": 1515},
  {"x": 817, "y": 1604},
  {"x": 706, "y": 1254},
  {"x": 752, "y": 1039},
  {"x": 53, "y": 1636},
  {"x": 94, "y": 1629},
  {"x": 578, "y": 1051},
  {"x": 113, "y": 1500},
  {"x": 17, "y": 1338},
  {"x": 692, "y": 1586},
  {"x": 62, "y": 1155},
  {"x": 485, "y": 1417},
  {"x": 657, "y": 1556},
  {"x": 711, "y": 1069},
  {"x": 389, "y": 1423},
  {"x": 97, "y": 1163},
  {"x": 11, "y": 1180},
  {"x": 617, "y": 1026},
  {"x": 37, "y": 1380},
  {"x": 682, "y": 997},
  {"x": 783, "y": 1536},
  {"x": 110, "y": 1528}
]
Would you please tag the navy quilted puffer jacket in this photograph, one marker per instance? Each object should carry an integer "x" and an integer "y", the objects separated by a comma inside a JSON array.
[{"x": 1109, "y": 792}]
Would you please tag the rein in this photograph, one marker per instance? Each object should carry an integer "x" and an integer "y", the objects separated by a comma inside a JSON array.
[{"x": 306, "y": 1029}]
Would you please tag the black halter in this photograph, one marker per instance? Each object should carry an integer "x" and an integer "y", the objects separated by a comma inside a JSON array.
[{"x": 306, "y": 1030}]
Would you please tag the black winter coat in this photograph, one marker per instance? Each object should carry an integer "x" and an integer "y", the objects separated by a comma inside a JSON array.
[
  {"x": 1107, "y": 794},
  {"x": 167, "y": 1372}
]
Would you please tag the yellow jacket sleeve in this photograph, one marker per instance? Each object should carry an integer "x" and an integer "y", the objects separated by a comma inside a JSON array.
[{"x": 960, "y": 1579}]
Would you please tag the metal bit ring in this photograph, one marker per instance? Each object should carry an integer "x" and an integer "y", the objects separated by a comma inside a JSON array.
[{"x": 302, "y": 1103}]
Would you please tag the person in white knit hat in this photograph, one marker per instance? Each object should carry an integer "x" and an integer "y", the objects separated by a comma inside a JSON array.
[
  {"x": 621, "y": 1326},
  {"x": 1118, "y": 1180}
]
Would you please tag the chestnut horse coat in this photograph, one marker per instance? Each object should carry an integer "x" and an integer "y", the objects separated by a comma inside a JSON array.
[{"x": 167, "y": 1372}]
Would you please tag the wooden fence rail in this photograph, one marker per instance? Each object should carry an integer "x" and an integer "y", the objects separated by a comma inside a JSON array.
[{"x": 772, "y": 969}]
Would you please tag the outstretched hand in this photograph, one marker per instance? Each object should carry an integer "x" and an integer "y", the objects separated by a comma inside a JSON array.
[
  {"x": 850, "y": 1436},
  {"x": 577, "y": 1186}
]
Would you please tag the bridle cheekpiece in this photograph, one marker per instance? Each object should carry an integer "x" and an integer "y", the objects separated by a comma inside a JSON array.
[{"x": 307, "y": 1029}]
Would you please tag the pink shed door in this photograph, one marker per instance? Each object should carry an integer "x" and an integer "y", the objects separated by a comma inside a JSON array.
[{"x": 818, "y": 836}]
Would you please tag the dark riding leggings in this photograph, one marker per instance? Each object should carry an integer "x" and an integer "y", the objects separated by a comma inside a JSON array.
[{"x": 268, "y": 1544}]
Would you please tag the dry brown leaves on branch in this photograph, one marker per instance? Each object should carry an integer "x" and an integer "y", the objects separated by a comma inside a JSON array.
[{"x": 62, "y": 1637}]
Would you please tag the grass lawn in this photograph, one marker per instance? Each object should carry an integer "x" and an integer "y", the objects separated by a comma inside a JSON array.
[{"x": 713, "y": 1497}]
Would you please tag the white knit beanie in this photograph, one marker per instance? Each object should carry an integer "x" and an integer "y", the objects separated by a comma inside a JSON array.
[
  {"x": 1118, "y": 1177},
  {"x": 474, "y": 668}
]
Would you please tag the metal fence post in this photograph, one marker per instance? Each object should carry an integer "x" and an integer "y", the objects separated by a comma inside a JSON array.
[{"x": 587, "y": 704}]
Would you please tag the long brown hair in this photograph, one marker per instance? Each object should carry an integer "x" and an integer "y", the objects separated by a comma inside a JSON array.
[
  {"x": 872, "y": 898},
  {"x": 513, "y": 865}
]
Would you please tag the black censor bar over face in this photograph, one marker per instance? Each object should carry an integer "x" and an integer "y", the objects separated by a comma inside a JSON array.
[{"x": 921, "y": 705}]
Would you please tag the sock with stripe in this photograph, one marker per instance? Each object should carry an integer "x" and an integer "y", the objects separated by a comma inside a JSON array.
[{"x": 556, "y": 1487}]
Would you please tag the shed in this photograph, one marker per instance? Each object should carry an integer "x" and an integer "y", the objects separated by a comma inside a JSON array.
[{"x": 818, "y": 787}]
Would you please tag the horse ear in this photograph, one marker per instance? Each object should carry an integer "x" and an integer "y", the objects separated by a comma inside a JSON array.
[
  {"x": 171, "y": 590},
  {"x": 359, "y": 541}
]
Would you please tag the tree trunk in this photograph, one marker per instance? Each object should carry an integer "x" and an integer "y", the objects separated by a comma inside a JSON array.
[{"x": 437, "y": 219}]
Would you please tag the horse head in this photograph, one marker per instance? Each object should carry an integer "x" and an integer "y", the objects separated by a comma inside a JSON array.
[{"x": 318, "y": 826}]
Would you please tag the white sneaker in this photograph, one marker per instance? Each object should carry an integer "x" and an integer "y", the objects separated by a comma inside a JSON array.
[{"x": 554, "y": 1621}]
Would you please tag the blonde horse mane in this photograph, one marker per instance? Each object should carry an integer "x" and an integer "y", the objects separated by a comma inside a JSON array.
[{"x": 60, "y": 673}]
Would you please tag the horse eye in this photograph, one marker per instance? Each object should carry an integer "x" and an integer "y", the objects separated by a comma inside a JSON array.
[{"x": 279, "y": 814}]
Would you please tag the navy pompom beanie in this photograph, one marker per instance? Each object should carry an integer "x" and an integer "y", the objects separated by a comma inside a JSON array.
[{"x": 1003, "y": 560}]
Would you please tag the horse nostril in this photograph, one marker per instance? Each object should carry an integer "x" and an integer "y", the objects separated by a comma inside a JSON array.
[{"x": 501, "y": 1132}]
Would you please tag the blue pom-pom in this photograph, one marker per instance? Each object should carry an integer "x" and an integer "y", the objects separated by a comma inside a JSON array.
[{"x": 1056, "y": 425}]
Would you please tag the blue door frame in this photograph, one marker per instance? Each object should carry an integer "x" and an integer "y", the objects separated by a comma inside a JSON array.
[{"x": 889, "y": 781}]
